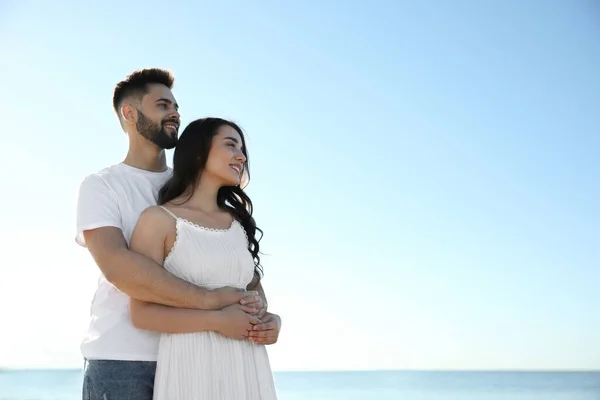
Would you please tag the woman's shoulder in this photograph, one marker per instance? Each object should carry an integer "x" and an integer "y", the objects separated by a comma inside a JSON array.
[
  {"x": 154, "y": 226},
  {"x": 156, "y": 216}
]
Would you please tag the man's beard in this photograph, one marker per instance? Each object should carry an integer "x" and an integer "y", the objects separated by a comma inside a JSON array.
[{"x": 156, "y": 133}]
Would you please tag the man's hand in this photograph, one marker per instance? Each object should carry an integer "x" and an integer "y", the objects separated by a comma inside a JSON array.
[
  {"x": 266, "y": 332},
  {"x": 257, "y": 303},
  {"x": 262, "y": 311},
  {"x": 227, "y": 296}
]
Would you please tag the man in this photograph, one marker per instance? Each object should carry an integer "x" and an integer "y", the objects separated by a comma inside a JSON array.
[{"x": 120, "y": 359}]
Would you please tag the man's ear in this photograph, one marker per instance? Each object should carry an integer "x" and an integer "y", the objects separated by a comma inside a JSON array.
[{"x": 129, "y": 114}]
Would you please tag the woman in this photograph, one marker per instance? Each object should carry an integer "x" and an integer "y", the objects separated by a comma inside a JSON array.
[{"x": 204, "y": 233}]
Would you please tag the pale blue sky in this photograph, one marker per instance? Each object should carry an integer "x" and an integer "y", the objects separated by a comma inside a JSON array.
[{"x": 426, "y": 173}]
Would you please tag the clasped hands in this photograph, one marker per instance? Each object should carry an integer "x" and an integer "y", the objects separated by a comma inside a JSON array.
[{"x": 267, "y": 330}]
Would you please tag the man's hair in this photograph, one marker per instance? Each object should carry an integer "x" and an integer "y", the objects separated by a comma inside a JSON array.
[{"x": 136, "y": 84}]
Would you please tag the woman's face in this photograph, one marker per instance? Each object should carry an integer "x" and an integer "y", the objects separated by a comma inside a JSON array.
[{"x": 226, "y": 159}]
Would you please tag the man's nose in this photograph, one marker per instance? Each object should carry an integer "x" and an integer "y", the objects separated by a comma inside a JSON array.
[{"x": 175, "y": 114}]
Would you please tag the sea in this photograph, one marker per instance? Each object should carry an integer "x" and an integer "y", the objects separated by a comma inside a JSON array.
[{"x": 371, "y": 385}]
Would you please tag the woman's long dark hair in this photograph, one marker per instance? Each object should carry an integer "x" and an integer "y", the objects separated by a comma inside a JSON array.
[{"x": 189, "y": 160}]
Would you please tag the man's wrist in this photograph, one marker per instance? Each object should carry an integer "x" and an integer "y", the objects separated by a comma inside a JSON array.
[{"x": 207, "y": 299}]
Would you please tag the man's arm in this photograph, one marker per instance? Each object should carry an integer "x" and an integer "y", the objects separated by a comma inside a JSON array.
[
  {"x": 143, "y": 279},
  {"x": 99, "y": 224},
  {"x": 162, "y": 318}
]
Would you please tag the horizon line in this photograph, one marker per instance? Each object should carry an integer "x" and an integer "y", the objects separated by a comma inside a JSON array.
[{"x": 549, "y": 370}]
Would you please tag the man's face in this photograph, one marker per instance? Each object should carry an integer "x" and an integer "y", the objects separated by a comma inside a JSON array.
[{"x": 159, "y": 121}]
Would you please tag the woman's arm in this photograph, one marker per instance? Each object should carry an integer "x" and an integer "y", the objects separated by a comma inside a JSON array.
[
  {"x": 154, "y": 244},
  {"x": 151, "y": 242},
  {"x": 100, "y": 229}
]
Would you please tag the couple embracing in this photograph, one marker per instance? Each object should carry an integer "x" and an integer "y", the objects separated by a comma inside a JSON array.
[{"x": 179, "y": 312}]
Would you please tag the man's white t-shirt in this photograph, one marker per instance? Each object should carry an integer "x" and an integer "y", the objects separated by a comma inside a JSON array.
[{"x": 115, "y": 197}]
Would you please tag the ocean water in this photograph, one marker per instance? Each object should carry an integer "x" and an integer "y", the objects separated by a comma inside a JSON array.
[{"x": 380, "y": 385}]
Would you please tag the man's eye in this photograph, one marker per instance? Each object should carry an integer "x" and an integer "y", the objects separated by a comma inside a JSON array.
[{"x": 162, "y": 105}]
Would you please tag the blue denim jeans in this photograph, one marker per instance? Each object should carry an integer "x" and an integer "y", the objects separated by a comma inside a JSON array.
[{"x": 118, "y": 380}]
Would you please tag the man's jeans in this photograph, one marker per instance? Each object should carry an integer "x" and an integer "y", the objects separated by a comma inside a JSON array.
[{"x": 118, "y": 380}]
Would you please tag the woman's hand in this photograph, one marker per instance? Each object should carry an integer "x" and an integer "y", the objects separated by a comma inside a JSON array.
[
  {"x": 267, "y": 331},
  {"x": 235, "y": 321}
]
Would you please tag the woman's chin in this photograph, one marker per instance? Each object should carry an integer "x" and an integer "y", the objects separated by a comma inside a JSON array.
[{"x": 231, "y": 182}]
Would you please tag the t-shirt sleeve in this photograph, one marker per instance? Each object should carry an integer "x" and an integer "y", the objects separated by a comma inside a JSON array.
[{"x": 97, "y": 207}]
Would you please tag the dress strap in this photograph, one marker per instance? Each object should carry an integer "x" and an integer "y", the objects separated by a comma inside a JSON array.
[{"x": 169, "y": 212}]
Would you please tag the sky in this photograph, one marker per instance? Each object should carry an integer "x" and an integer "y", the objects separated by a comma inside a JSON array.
[{"x": 426, "y": 173}]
